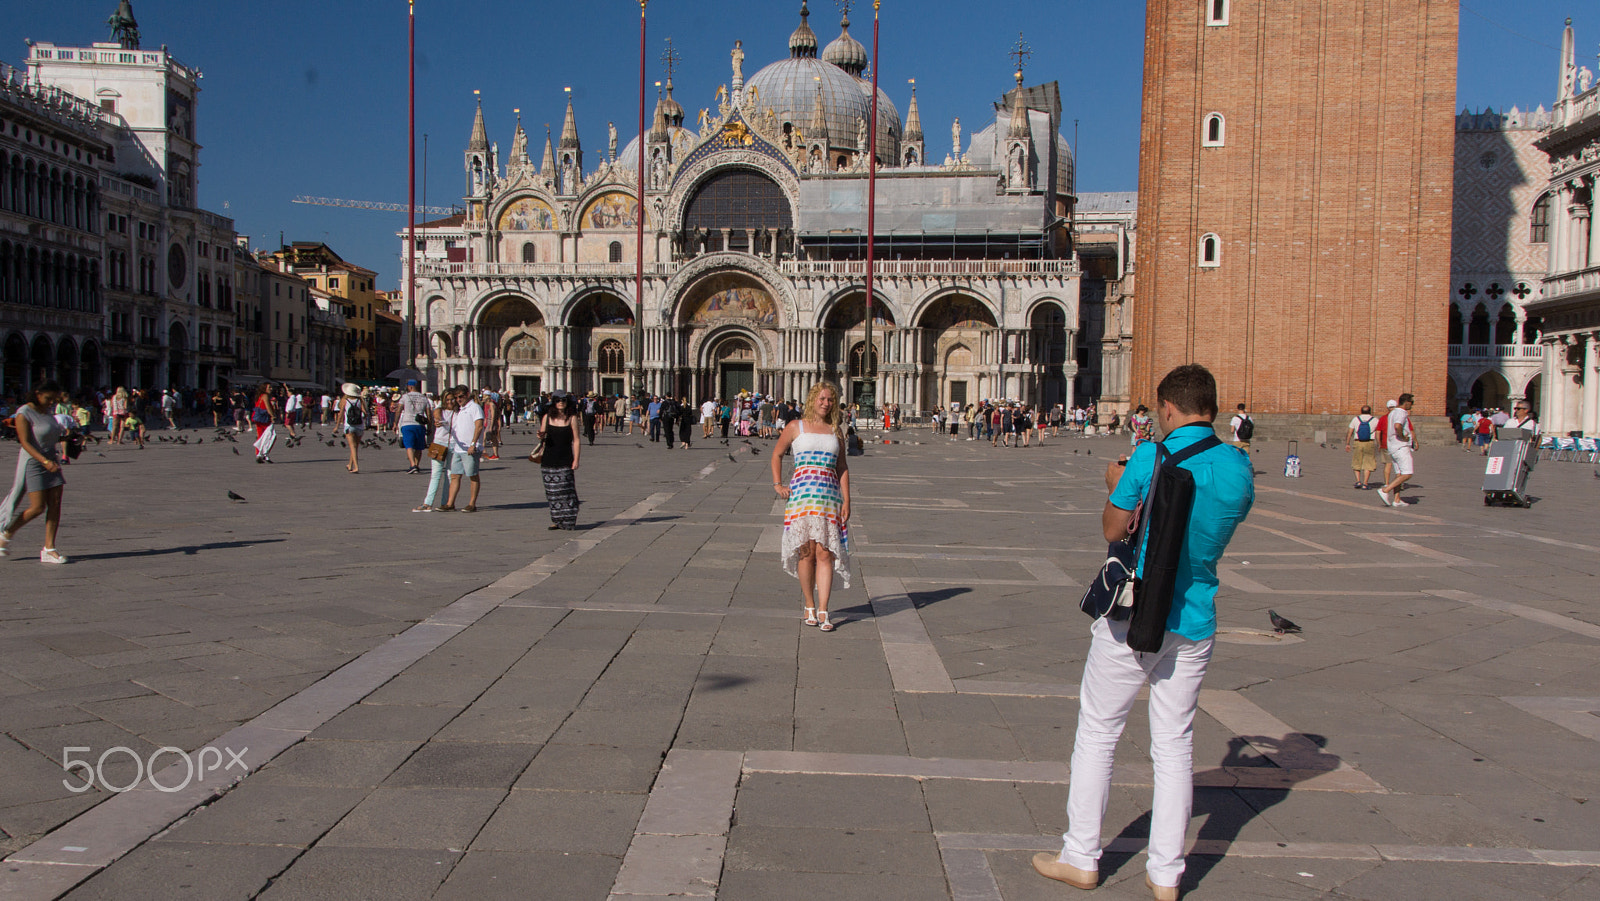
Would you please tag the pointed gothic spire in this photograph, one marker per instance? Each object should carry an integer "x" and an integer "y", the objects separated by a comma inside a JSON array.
[
  {"x": 480, "y": 135},
  {"x": 913, "y": 118},
  {"x": 1019, "y": 115},
  {"x": 569, "y": 129},
  {"x": 819, "y": 118},
  {"x": 548, "y": 164},
  {"x": 519, "y": 144},
  {"x": 658, "y": 127}
]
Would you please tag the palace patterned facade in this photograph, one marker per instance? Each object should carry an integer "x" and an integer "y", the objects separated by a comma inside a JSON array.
[{"x": 754, "y": 224}]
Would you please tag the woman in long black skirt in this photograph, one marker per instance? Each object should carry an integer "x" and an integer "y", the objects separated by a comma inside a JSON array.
[{"x": 559, "y": 468}]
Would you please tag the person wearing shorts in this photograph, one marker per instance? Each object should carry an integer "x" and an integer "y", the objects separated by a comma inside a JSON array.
[
  {"x": 415, "y": 409},
  {"x": 1402, "y": 444}
]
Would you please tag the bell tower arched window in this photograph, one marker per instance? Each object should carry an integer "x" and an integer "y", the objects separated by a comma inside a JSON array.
[
  {"x": 1210, "y": 251},
  {"x": 1217, "y": 12},
  {"x": 1216, "y": 131}
]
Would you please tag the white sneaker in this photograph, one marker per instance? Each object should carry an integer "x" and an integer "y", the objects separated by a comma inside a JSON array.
[
  {"x": 51, "y": 555},
  {"x": 1384, "y": 496}
]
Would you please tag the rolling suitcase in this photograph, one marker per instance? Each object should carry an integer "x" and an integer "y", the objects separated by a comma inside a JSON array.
[{"x": 1291, "y": 463}]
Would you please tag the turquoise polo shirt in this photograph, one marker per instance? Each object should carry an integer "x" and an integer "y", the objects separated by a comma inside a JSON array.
[{"x": 1224, "y": 489}]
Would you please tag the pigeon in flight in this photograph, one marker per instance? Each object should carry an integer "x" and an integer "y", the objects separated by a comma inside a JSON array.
[
  {"x": 1281, "y": 625},
  {"x": 235, "y": 498}
]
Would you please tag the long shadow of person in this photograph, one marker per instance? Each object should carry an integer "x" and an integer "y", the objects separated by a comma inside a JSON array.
[{"x": 1258, "y": 772}]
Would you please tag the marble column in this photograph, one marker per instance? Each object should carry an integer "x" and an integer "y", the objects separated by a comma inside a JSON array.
[
  {"x": 1581, "y": 224},
  {"x": 1558, "y": 229},
  {"x": 1594, "y": 220},
  {"x": 1590, "y": 407}
]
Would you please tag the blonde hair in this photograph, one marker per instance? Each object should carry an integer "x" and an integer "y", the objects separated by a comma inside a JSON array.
[{"x": 836, "y": 417}]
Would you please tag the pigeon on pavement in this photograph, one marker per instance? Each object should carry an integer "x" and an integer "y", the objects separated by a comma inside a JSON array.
[
  {"x": 1281, "y": 625},
  {"x": 234, "y": 497},
  {"x": 235, "y": 451}
]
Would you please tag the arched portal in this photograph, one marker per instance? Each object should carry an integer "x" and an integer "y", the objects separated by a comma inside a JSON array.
[
  {"x": 1505, "y": 327},
  {"x": 733, "y": 365},
  {"x": 1533, "y": 394},
  {"x": 89, "y": 365},
  {"x": 1490, "y": 391},
  {"x": 1047, "y": 355},
  {"x": 846, "y": 326},
  {"x": 178, "y": 355},
  {"x": 14, "y": 375},
  {"x": 42, "y": 361},
  {"x": 592, "y": 321},
  {"x": 964, "y": 320},
  {"x": 67, "y": 364},
  {"x": 1478, "y": 327},
  {"x": 499, "y": 326},
  {"x": 1458, "y": 328}
]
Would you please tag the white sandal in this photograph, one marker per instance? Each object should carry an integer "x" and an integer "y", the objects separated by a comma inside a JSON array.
[
  {"x": 811, "y": 616},
  {"x": 51, "y": 555},
  {"x": 823, "y": 624}
]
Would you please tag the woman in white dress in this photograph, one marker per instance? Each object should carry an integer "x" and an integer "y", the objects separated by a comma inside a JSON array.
[{"x": 816, "y": 537}]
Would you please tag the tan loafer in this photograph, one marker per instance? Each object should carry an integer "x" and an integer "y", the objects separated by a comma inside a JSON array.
[
  {"x": 1050, "y": 866},
  {"x": 1162, "y": 892}
]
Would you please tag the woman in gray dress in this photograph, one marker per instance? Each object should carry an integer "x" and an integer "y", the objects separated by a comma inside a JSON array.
[{"x": 38, "y": 481}]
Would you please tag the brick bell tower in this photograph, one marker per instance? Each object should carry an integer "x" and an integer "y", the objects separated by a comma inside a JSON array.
[{"x": 1295, "y": 180}]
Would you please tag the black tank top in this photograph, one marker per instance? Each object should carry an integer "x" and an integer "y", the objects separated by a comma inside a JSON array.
[{"x": 557, "y": 447}]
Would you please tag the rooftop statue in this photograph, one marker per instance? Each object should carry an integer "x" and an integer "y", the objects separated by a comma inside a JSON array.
[{"x": 124, "y": 28}]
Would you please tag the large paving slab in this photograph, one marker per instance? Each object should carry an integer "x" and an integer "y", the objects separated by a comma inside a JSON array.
[{"x": 451, "y": 705}]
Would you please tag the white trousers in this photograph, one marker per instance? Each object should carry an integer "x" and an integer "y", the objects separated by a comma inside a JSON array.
[{"x": 1112, "y": 677}]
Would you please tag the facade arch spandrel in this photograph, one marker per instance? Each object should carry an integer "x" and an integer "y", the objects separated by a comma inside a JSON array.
[{"x": 887, "y": 305}]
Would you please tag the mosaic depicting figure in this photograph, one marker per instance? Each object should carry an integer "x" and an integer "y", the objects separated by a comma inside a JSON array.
[
  {"x": 744, "y": 301},
  {"x": 527, "y": 214},
  {"x": 611, "y": 211}
]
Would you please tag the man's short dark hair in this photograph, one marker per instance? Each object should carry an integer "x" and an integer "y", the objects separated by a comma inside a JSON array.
[
  {"x": 1191, "y": 389},
  {"x": 1406, "y": 398},
  {"x": 1241, "y": 407},
  {"x": 1366, "y": 409}
]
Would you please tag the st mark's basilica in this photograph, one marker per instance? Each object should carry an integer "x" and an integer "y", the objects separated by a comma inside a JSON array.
[{"x": 755, "y": 222}]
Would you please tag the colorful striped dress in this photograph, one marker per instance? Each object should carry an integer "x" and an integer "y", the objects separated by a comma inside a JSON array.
[{"x": 815, "y": 502}]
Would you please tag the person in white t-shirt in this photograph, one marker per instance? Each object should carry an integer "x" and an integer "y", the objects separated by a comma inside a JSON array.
[
  {"x": 291, "y": 411},
  {"x": 708, "y": 417},
  {"x": 466, "y": 443},
  {"x": 327, "y": 409},
  {"x": 1522, "y": 418},
  {"x": 1402, "y": 443},
  {"x": 1238, "y": 420}
]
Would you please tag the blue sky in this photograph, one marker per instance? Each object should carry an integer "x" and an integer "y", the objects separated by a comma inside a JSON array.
[{"x": 307, "y": 97}]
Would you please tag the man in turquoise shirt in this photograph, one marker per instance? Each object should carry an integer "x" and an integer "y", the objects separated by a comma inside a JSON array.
[{"x": 1186, "y": 402}]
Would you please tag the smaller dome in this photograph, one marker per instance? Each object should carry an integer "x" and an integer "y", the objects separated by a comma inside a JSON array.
[{"x": 846, "y": 52}]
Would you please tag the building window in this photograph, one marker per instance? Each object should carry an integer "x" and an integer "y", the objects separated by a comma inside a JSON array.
[
  {"x": 1216, "y": 12},
  {"x": 616, "y": 251},
  {"x": 1539, "y": 222},
  {"x": 1216, "y": 131},
  {"x": 1210, "y": 251},
  {"x": 530, "y": 254},
  {"x": 333, "y": 284}
]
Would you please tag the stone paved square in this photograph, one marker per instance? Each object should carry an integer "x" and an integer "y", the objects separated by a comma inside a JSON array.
[{"x": 475, "y": 706}]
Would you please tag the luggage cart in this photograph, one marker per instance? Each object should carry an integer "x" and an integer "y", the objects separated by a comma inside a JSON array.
[{"x": 1510, "y": 462}]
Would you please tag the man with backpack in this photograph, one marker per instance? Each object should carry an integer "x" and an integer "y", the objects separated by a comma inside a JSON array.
[
  {"x": 1222, "y": 491},
  {"x": 1364, "y": 459},
  {"x": 1244, "y": 428}
]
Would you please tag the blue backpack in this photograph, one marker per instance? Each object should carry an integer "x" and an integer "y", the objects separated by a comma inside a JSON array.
[{"x": 1364, "y": 428}]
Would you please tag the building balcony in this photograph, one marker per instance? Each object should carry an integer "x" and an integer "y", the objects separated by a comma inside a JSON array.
[
  {"x": 1482, "y": 352},
  {"x": 858, "y": 268},
  {"x": 1567, "y": 284},
  {"x": 543, "y": 269}
]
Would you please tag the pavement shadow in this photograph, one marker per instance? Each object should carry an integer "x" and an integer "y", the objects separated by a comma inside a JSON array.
[
  {"x": 927, "y": 598},
  {"x": 1225, "y": 817},
  {"x": 187, "y": 550}
]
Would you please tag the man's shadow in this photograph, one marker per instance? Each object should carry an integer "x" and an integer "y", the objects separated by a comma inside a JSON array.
[{"x": 1228, "y": 809}]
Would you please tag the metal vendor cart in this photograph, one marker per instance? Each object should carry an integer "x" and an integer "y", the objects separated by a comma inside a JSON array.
[{"x": 1510, "y": 462}]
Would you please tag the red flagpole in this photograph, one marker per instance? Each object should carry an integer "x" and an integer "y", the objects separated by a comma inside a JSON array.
[
  {"x": 869, "y": 392},
  {"x": 411, "y": 198},
  {"x": 638, "y": 276}
]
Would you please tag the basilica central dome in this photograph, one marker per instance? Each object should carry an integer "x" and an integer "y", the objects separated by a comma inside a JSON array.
[{"x": 789, "y": 88}]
